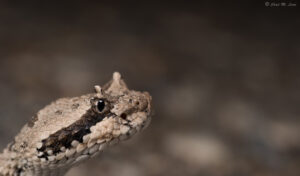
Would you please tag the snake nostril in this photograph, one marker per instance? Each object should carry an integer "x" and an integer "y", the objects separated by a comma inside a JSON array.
[{"x": 123, "y": 115}]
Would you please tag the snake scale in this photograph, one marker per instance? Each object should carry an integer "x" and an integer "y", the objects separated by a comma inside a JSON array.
[{"x": 71, "y": 130}]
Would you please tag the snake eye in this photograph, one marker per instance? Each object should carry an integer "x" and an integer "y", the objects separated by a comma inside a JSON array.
[{"x": 100, "y": 105}]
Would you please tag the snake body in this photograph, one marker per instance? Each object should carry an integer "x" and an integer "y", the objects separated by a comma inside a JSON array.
[{"x": 71, "y": 130}]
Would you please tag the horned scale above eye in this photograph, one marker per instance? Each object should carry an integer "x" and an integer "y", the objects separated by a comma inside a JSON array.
[{"x": 57, "y": 141}]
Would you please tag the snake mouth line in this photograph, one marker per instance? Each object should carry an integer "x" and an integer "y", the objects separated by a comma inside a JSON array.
[{"x": 64, "y": 137}]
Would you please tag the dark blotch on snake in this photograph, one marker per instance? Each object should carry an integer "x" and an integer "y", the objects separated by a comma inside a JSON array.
[
  {"x": 123, "y": 116},
  {"x": 32, "y": 121},
  {"x": 75, "y": 106}
]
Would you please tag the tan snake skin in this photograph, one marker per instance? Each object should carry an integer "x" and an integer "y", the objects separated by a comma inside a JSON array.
[{"x": 71, "y": 130}]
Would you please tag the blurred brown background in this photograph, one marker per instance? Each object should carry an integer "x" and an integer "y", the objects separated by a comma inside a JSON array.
[{"x": 224, "y": 77}]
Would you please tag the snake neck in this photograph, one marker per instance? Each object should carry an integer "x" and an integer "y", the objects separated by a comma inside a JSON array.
[{"x": 15, "y": 164}]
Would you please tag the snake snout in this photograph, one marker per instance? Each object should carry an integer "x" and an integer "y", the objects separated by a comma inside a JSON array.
[{"x": 145, "y": 102}]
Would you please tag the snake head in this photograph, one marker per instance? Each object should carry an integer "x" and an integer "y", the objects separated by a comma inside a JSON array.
[
  {"x": 71, "y": 130},
  {"x": 128, "y": 111},
  {"x": 87, "y": 124}
]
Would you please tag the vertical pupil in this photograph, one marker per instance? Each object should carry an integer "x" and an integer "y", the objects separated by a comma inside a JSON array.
[{"x": 100, "y": 105}]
